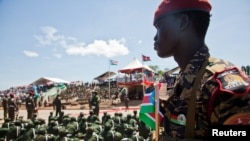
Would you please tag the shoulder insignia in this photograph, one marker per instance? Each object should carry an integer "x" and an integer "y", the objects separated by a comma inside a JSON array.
[{"x": 232, "y": 81}]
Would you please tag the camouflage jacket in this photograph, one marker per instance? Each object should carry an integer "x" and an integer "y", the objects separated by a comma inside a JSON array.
[{"x": 214, "y": 82}]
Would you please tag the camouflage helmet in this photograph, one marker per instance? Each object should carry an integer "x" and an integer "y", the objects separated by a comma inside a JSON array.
[
  {"x": 129, "y": 130},
  {"x": 89, "y": 130},
  {"x": 107, "y": 126},
  {"x": 7, "y": 119},
  {"x": 135, "y": 112},
  {"x": 62, "y": 131},
  {"x": 72, "y": 118},
  {"x": 81, "y": 114},
  {"x": 42, "y": 121},
  {"x": 18, "y": 123},
  {"x": 30, "y": 124},
  {"x": 42, "y": 131},
  {"x": 117, "y": 136},
  {"x": 120, "y": 114},
  {"x": 91, "y": 112},
  {"x": 129, "y": 115}
]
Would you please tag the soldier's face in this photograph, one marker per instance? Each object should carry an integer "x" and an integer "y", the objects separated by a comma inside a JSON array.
[{"x": 166, "y": 38}]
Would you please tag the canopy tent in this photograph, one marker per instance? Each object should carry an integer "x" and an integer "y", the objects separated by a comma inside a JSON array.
[
  {"x": 135, "y": 65},
  {"x": 45, "y": 80},
  {"x": 172, "y": 71},
  {"x": 105, "y": 76}
]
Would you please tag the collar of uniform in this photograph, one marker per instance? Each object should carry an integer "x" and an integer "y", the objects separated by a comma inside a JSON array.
[{"x": 188, "y": 75}]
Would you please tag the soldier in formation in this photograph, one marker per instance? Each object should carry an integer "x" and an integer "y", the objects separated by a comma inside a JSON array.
[
  {"x": 30, "y": 106},
  {"x": 95, "y": 102},
  {"x": 12, "y": 107},
  {"x": 112, "y": 128},
  {"x": 57, "y": 105},
  {"x": 5, "y": 106}
]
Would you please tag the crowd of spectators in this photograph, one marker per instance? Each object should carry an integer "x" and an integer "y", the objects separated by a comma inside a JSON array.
[{"x": 73, "y": 92}]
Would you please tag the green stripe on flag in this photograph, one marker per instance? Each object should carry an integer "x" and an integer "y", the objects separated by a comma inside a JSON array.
[
  {"x": 146, "y": 118},
  {"x": 149, "y": 108}
]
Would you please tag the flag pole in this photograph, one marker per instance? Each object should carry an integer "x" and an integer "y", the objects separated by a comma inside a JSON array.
[
  {"x": 143, "y": 78},
  {"x": 109, "y": 79},
  {"x": 156, "y": 111}
]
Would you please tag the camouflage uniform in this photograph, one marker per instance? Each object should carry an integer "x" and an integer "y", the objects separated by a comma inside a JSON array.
[
  {"x": 104, "y": 117},
  {"x": 5, "y": 106},
  {"x": 43, "y": 136},
  {"x": 72, "y": 126},
  {"x": 110, "y": 121},
  {"x": 29, "y": 133},
  {"x": 50, "y": 117},
  {"x": 97, "y": 127},
  {"x": 83, "y": 125},
  {"x": 91, "y": 135},
  {"x": 14, "y": 131},
  {"x": 80, "y": 117},
  {"x": 60, "y": 118},
  {"x": 126, "y": 101},
  {"x": 12, "y": 108},
  {"x": 6, "y": 123},
  {"x": 130, "y": 135},
  {"x": 135, "y": 116},
  {"x": 108, "y": 134},
  {"x": 130, "y": 121},
  {"x": 3, "y": 132},
  {"x": 177, "y": 105},
  {"x": 117, "y": 136},
  {"x": 117, "y": 120},
  {"x": 30, "y": 106},
  {"x": 144, "y": 130},
  {"x": 57, "y": 105},
  {"x": 53, "y": 128},
  {"x": 89, "y": 117},
  {"x": 95, "y": 103},
  {"x": 34, "y": 118},
  {"x": 62, "y": 134}
]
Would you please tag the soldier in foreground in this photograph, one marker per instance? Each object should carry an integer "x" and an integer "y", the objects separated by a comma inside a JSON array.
[{"x": 181, "y": 29}]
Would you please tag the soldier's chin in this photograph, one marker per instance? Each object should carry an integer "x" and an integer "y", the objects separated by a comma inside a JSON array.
[{"x": 161, "y": 55}]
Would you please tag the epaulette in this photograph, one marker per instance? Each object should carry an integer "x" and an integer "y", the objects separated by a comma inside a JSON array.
[{"x": 218, "y": 65}]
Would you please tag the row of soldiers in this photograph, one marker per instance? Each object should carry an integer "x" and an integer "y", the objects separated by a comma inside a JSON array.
[
  {"x": 81, "y": 128},
  {"x": 10, "y": 107}
]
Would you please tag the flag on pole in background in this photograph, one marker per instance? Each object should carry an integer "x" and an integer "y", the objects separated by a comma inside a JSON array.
[
  {"x": 145, "y": 58},
  {"x": 147, "y": 109},
  {"x": 113, "y": 62}
]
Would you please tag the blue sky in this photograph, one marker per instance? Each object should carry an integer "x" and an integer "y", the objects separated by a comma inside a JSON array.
[{"x": 74, "y": 40}]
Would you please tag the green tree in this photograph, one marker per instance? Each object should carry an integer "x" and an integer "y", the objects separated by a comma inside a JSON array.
[
  {"x": 159, "y": 73},
  {"x": 154, "y": 67}
]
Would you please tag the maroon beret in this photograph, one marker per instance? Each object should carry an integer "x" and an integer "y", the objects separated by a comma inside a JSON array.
[{"x": 171, "y": 6}]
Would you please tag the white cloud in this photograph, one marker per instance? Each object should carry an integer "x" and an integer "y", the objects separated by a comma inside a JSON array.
[
  {"x": 139, "y": 42},
  {"x": 57, "y": 55},
  {"x": 108, "y": 48},
  {"x": 99, "y": 47},
  {"x": 30, "y": 53}
]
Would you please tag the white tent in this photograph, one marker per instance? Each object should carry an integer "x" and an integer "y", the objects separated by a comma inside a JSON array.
[
  {"x": 135, "y": 64},
  {"x": 45, "y": 80}
]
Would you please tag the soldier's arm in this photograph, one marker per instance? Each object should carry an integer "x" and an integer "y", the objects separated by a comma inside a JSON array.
[{"x": 15, "y": 105}]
